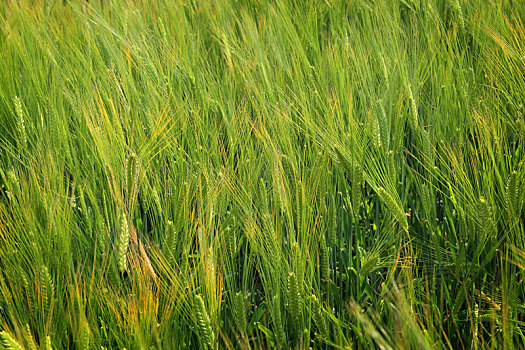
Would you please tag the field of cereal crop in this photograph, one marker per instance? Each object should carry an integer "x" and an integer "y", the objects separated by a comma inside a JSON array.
[{"x": 249, "y": 174}]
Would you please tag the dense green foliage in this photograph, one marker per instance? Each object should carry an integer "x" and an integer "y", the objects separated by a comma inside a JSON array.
[{"x": 259, "y": 174}]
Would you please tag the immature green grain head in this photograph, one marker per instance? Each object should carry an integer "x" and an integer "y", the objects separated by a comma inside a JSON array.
[
  {"x": 384, "y": 128},
  {"x": 29, "y": 337},
  {"x": 132, "y": 173},
  {"x": 9, "y": 342},
  {"x": 331, "y": 233},
  {"x": 414, "y": 118},
  {"x": 203, "y": 323},
  {"x": 123, "y": 243},
  {"x": 171, "y": 241},
  {"x": 460, "y": 12},
  {"x": 156, "y": 200},
  {"x": 231, "y": 241},
  {"x": 512, "y": 195},
  {"x": 48, "y": 288},
  {"x": 391, "y": 166},
  {"x": 21, "y": 124},
  {"x": 239, "y": 311},
  {"x": 278, "y": 328},
  {"x": 394, "y": 207},
  {"x": 324, "y": 260},
  {"x": 293, "y": 296},
  {"x": 85, "y": 337},
  {"x": 485, "y": 218},
  {"x": 319, "y": 318},
  {"x": 49, "y": 344},
  {"x": 13, "y": 183},
  {"x": 426, "y": 197}
]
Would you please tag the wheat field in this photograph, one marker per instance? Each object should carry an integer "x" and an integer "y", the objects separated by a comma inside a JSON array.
[{"x": 249, "y": 174}]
